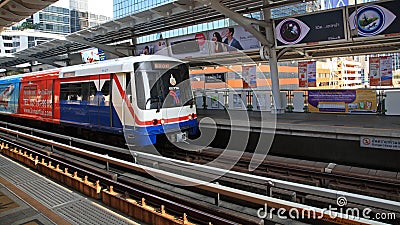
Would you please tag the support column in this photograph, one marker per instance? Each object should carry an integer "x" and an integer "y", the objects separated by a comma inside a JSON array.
[{"x": 273, "y": 64}]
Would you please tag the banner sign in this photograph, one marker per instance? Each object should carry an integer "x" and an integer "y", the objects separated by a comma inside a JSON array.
[
  {"x": 345, "y": 101},
  {"x": 380, "y": 142},
  {"x": 307, "y": 74},
  {"x": 380, "y": 71},
  {"x": 378, "y": 19},
  {"x": 311, "y": 29},
  {"x": 249, "y": 74},
  {"x": 214, "y": 77}
]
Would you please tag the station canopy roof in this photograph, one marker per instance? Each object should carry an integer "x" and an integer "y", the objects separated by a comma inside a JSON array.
[
  {"x": 13, "y": 11},
  {"x": 182, "y": 13}
]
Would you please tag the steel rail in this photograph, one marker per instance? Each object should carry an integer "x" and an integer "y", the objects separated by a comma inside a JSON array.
[
  {"x": 321, "y": 214},
  {"x": 308, "y": 189}
]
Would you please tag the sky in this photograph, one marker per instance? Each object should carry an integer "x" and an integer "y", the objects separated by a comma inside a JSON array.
[{"x": 100, "y": 7}]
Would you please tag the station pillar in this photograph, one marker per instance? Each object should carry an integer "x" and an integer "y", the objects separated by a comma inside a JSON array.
[{"x": 269, "y": 52}]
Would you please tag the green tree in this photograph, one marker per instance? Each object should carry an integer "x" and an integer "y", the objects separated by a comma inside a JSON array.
[{"x": 26, "y": 25}]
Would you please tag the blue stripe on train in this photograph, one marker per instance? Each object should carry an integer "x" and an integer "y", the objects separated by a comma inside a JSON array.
[
  {"x": 142, "y": 136},
  {"x": 79, "y": 113}
]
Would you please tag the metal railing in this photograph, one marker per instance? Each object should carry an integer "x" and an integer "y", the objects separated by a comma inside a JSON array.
[{"x": 249, "y": 99}]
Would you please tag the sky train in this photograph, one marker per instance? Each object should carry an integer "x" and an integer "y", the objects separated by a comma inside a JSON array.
[{"x": 140, "y": 97}]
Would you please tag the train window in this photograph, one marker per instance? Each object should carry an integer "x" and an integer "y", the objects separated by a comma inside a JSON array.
[
  {"x": 105, "y": 90},
  {"x": 128, "y": 88},
  {"x": 75, "y": 91},
  {"x": 162, "y": 87}
]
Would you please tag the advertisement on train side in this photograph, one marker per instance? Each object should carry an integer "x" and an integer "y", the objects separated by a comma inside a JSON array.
[
  {"x": 152, "y": 48},
  {"x": 314, "y": 29},
  {"x": 342, "y": 101},
  {"x": 380, "y": 19},
  {"x": 9, "y": 93},
  {"x": 381, "y": 71},
  {"x": 36, "y": 98}
]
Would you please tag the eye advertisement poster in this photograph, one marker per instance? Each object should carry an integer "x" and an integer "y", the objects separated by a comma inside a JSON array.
[
  {"x": 310, "y": 29},
  {"x": 373, "y": 20}
]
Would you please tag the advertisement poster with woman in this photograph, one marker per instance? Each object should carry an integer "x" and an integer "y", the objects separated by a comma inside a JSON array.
[
  {"x": 152, "y": 48},
  {"x": 231, "y": 39},
  {"x": 188, "y": 46}
]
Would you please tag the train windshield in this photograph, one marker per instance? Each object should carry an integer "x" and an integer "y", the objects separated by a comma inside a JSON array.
[{"x": 162, "y": 85}]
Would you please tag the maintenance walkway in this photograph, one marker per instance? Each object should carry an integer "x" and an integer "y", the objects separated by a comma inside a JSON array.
[{"x": 29, "y": 198}]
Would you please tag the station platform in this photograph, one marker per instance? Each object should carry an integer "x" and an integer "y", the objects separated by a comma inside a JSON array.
[
  {"x": 31, "y": 199},
  {"x": 368, "y": 141},
  {"x": 337, "y": 126}
]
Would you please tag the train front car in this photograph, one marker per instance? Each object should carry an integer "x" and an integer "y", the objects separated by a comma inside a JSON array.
[{"x": 164, "y": 102}]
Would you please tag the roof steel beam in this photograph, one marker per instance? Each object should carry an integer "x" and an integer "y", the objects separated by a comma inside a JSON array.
[
  {"x": 107, "y": 48},
  {"x": 45, "y": 61}
]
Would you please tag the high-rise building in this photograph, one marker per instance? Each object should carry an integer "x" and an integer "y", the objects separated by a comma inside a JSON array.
[
  {"x": 63, "y": 17},
  {"x": 53, "y": 19},
  {"x": 296, "y": 9},
  {"x": 67, "y": 17},
  {"x": 127, "y": 7}
]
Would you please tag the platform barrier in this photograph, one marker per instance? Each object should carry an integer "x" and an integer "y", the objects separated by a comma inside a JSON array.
[
  {"x": 298, "y": 101},
  {"x": 215, "y": 100},
  {"x": 261, "y": 101},
  {"x": 392, "y": 102},
  {"x": 237, "y": 100}
]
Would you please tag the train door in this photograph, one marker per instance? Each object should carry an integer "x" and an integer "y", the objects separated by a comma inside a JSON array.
[
  {"x": 99, "y": 100},
  {"x": 74, "y": 102}
]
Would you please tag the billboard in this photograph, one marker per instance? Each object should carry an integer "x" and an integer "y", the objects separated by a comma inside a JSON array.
[
  {"x": 342, "y": 101},
  {"x": 157, "y": 47},
  {"x": 188, "y": 46},
  {"x": 311, "y": 29},
  {"x": 231, "y": 39},
  {"x": 93, "y": 55},
  {"x": 380, "y": 71},
  {"x": 381, "y": 19}
]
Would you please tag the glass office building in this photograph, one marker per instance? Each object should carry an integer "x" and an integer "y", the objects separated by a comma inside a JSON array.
[{"x": 124, "y": 8}]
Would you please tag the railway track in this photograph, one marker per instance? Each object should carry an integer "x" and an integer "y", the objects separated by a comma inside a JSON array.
[
  {"x": 377, "y": 183},
  {"x": 125, "y": 180}
]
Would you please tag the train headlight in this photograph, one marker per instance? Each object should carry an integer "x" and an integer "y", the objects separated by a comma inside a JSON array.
[
  {"x": 155, "y": 122},
  {"x": 190, "y": 117},
  {"x": 162, "y": 121}
]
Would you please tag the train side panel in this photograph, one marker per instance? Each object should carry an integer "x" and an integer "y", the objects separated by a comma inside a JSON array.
[
  {"x": 9, "y": 94},
  {"x": 39, "y": 97}
]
